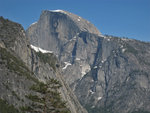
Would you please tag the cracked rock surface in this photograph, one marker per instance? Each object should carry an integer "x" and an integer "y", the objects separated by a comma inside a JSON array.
[{"x": 107, "y": 74}]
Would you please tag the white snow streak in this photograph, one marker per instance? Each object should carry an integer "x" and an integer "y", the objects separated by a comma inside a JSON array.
[
  {"x": 121, "y": 46},
  {"x": 95, "y": 67},
  {"x": 77, "y": 58},
  {"x": 100, "y": 66},
  {"x": 85, "y": 69},
  {"x": 83, "y": 73},
  {"x": 99, "y": 98},
  {"x": 33, "y": 24},
  {"x": 91, "y": 92},
  {"x": 66, "y": 65},
  {"x": 38, "y": 49},
  {"x": 103, "y": 60},
  {"x": 58, "y": 10},
  {"x": 78, "y": 20},
  {"x": 123, "y": 50},
  {"x": 93, "y": 107},
  {"x": 74, "y": 38}
]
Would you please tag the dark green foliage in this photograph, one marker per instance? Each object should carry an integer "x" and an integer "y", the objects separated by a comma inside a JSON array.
[
  {"x": 48, "y": 58},
  {"x": 115, "y": 37},
  {"x": 131, "y": 49},
  {"x": 39, "y": 87},
  {"x": 143, "y": 61},
  {"x": 54, "y": 84},
  {"x": 137, "y": 72},
  {"x": 140, "y": 111},
  {"x": 9, "y": 31},
  {"x": 15, "y": 64},
  {"x": 42, "y": 88},
  {"x": 49, "y": 99},
  {"x": 35, "y": 98},
  {"x": 44, "y": 97},
  {"x": 14, "y": 94},
  {"x": 97, "y": 109},
  {"x": 138, "y": 54},
  {"x": 6, "y": 108},
  {"x": 26, "y": 108},
  {"x": 7, "y": 87}
]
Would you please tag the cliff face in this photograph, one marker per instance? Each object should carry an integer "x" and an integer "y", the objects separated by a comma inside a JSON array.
[
  {"x": 119, "y": 80},
  {"x": 56, "y": 28},
  {"x": 30, "y": 81},
  {"x": 107, "y": 74},
  {"x": 67, "y": 35}
]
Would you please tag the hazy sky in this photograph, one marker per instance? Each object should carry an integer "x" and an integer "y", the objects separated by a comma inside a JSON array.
[{"x": 125, "y": 18}]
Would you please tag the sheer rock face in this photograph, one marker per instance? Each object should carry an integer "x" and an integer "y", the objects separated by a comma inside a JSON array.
[
  {"x": 56, "y": 28},
  {"x": 69, "y": 37},
  {"x": 120, "y": 82},
  {"x": 21, "y": 67},
  {"x": 107, "y": 74}
]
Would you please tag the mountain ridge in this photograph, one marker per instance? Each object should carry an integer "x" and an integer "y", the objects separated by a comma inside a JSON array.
[
  {"x": 99, "y": 69},
  {"x": 29, "y": 78},
  {"x": 102, "y": 74}
]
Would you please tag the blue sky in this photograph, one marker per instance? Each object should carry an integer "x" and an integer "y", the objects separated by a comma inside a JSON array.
[{"x": 124, "y": 18}]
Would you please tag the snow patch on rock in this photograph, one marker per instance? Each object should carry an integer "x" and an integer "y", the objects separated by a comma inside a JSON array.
[
  {"x": 85, "y": 69},
  {"x": 92, "y": 92},
  {"x": 77, "y": 58},
  {"x": 33, "y": 24},
  {"x": 74, "y": 38},
  {"x": 121, "y": 46},
  {"x": 78, "y": 20},
  {"x": 103, "y": 60},
  {"x": 126, "y": 39},
  {"x": 95, "y": 67},
  {"x": 58, "y": 10},
  {"x": 123, "y": 50},
  {"x": 99, "y": 98},
  {"x": 93, "y": 107},
  {"x": 108, "y": 39},
  {"x": 38, "y": 49},
  {"x": 66, "y": 65}
]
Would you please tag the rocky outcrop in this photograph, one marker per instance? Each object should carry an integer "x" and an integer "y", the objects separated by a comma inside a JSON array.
[
  {"x": 29, "y": 78},
  {"x": 49, "y": 68},
  {"x": 107, "y": 74},
  {"x": 119, "y": 81}
]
